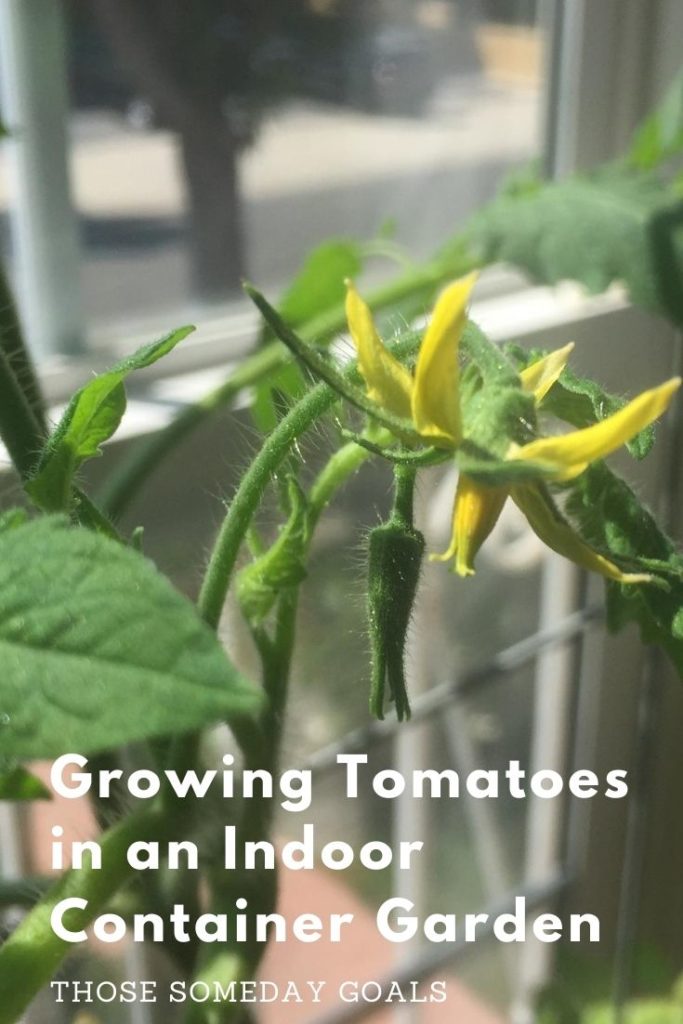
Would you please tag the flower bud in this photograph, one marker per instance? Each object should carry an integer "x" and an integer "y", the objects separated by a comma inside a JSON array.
[{"x": 394, "y": 559}]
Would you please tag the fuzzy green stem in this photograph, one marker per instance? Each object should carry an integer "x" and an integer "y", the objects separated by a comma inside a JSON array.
[
  {"x": 122, "y": 486},
  {"x": 243, "y": 962},
  {"x": 14, "y": 346},
  {"x": 339, "y": 468},
  {"x": 249, "y": 493},
  {"x": 404, "y": 494},
  {"x": 32, "y": 953},
  {"x": 19, "y": 428},
  {"x": 260, "y": 887},
  {"x": 276, "y": 658}
]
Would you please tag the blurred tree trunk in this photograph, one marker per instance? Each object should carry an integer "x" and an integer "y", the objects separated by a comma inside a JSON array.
[
  {"x": 209, "y": 157},
  {"x": 147, "y": 37}
]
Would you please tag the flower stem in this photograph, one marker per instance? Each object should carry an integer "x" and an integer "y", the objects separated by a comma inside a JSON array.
[
  {"x": 404, "y": 494},
  {"x": 339, "y": 467}
]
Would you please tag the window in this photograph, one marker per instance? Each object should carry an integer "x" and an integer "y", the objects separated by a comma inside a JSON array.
[{"x": 201, "y": 147}]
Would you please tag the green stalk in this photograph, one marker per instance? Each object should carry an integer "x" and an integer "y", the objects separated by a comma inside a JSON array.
[
  {"x": 31, "y": 955},
  {"x": 13, "y": 345},
  {"x": 239, "y": 964},
  {"x": 249, "y": 493},
  {"x": 337, "y": 470},
  {"x": 19, "y": 428},
  {"x": 259, "y": 888},
  {"x": 404, "y": 495}
]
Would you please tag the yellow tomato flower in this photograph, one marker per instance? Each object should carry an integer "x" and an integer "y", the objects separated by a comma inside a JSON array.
[{"x": 430, "y": 398}]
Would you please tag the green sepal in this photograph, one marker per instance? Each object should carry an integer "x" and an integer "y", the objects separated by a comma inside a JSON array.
[
  {"x": 581, "y": 401},
  {"x": 260, "y": 583},
  {"x": 19, "y": 784},
  {"x": 490, "y": 359},
  {"x": 486, "y": 469},
  {"x": 345, "y": 386},
  {"x": 497, "y": 416},
  {"x": 395, "y": 553}
]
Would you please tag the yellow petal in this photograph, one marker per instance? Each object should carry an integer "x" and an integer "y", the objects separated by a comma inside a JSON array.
[
  {"x": 475, "y": 513},
  {"x": 548, "y": 524},
  {"x": 541, "y": 375},
  {"x": 569, "y": 454},
  {"x": 436, "y": 394},
  {"x": 388, "y": 382}
]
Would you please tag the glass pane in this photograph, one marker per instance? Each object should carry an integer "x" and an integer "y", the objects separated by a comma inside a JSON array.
[{"x": 214, "y": 140}]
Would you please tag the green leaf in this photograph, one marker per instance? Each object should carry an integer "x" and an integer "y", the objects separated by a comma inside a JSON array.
[
  {"x": 591, "y": 229},
  {"x": 319, "y": 285},
  {"x": 12, "y": 518},
  {"x": 582, "y": 401},
  {"x": 660, "y": 137},
  {"x": 18, "y": 784},
  {"x": 97, "y": 649},
  {"x": 611, "y": 518},
  {"x": 92, "y": 417}
]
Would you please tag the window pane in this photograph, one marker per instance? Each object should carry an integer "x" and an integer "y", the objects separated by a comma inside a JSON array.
[{"x": 221, "y": 139}]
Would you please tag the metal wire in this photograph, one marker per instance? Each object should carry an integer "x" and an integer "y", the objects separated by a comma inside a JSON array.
[{"x": 435, "y": 700}]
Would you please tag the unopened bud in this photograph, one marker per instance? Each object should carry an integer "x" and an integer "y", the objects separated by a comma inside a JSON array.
[{"x": 394, "y": 560}]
